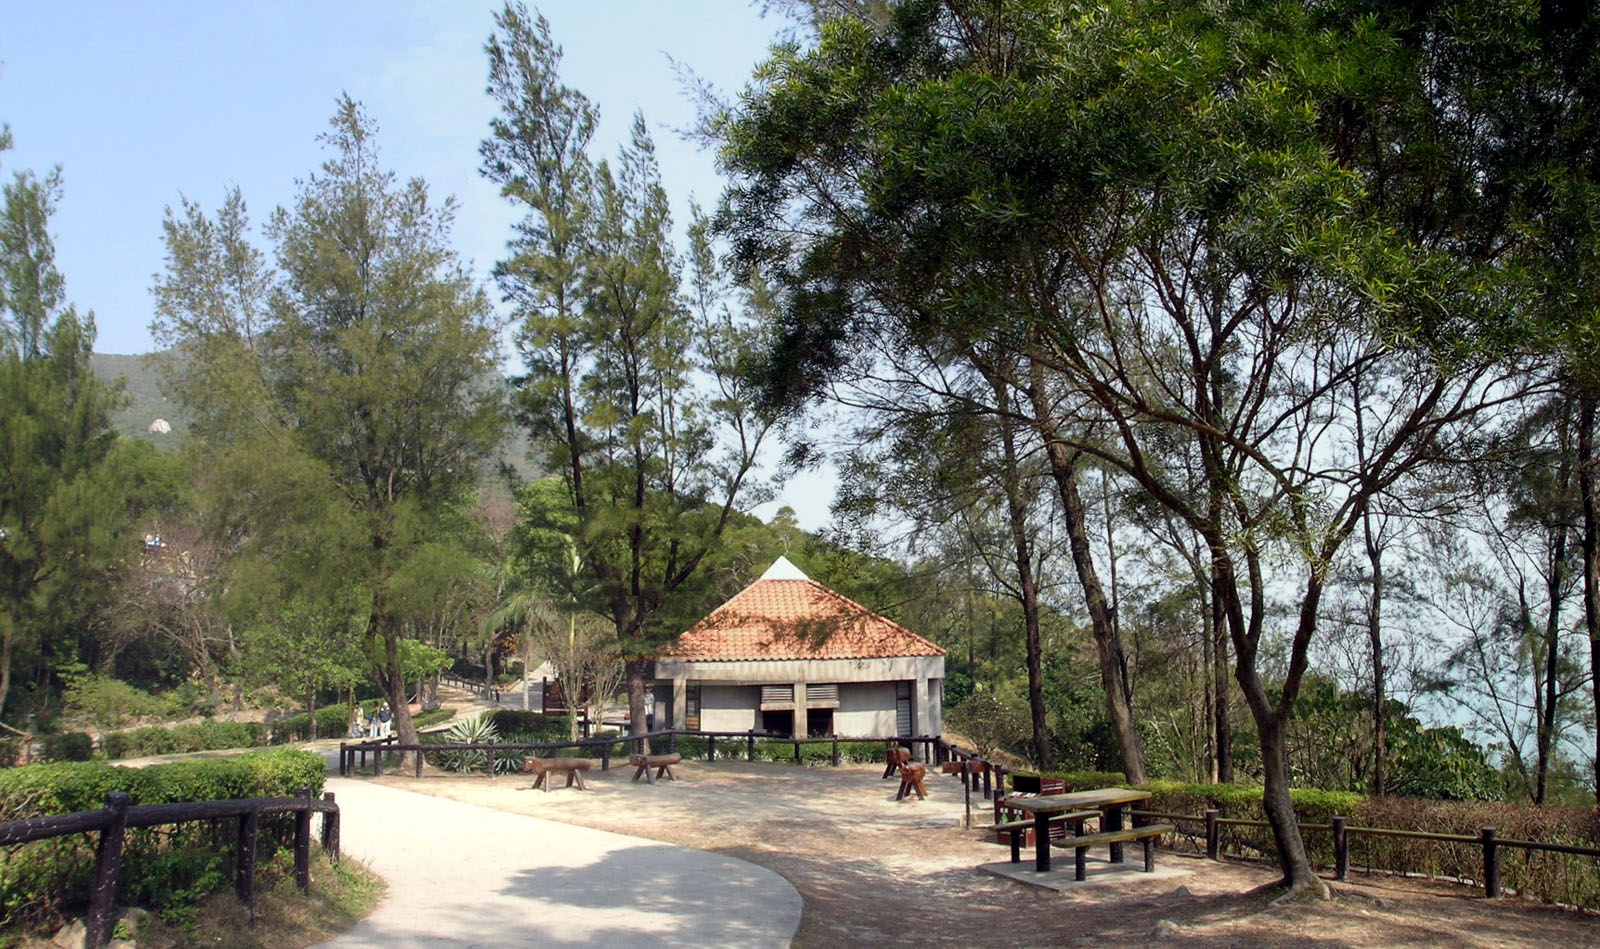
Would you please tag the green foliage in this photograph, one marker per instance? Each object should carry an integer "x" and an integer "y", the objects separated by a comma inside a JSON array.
[
  {"x": 990, "y": 721},
  {"x": 165, "y": 869},
  {"x": 182, "y": 739},
  {"x": 528, "y": 726},
  {"x": 109, "y": 702},
  {"x": 477, "y": 730},
  {"x": 68, "y": 746}
]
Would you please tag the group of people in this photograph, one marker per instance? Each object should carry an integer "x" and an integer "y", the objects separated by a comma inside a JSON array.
[{"x": 379, "y": 722}]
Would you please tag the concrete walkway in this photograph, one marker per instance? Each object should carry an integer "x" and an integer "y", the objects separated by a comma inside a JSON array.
[{"x": 462, "y": 875}]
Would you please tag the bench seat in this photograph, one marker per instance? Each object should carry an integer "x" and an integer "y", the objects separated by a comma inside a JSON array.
[
  {"x": 1146, "y": 835},
  {"x": 662, "y": 764},
  {"x": 572, "y": 767},
  {"x": 1018, "y": 829}
]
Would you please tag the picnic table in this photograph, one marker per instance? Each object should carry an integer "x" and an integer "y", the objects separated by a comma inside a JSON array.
[{"x": 1108, "y": 801}]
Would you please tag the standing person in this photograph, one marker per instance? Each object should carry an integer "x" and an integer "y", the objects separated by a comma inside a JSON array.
[
  {"x": 372, "y": 723},
  {"x": 650, "y": 711},
  {"x": 384, "y": 717}
]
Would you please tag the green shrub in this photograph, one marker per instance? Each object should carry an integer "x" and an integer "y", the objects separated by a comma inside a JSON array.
[
  {"x": 182, "y": 739},
  {"x": 433, "y": 718},
  {"x": 537, "y": 724},
  {"x": 164, "y": 868},
  {"x": 333, "y": 721},
  {"x": 109, "y": 702},
  {"x": 68, "y": 746}
]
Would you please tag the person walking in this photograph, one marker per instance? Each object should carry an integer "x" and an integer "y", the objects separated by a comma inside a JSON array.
[
  {"x": 385, "y": 716},
  {"x": 372, "y": 723}
]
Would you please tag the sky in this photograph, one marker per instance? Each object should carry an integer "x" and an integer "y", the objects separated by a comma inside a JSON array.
[{"x": 142, "y": 103}]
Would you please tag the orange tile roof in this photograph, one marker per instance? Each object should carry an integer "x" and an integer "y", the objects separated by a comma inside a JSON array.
[{"x": 795, "y": 619}]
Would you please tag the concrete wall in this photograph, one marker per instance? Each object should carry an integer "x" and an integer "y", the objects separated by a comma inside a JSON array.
[
  {"x": 725, "y": 708},
  {"x": 866, "y": 709}
]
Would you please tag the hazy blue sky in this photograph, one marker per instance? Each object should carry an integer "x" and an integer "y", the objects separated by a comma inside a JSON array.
[{"x": 141, "y": 102}]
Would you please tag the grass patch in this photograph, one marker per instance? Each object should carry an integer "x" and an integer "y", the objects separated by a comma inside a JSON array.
[{"x": 341, "y": 895}]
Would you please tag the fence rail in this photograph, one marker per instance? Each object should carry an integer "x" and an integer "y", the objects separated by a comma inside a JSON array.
[
  {"x": 117, "y": 816},
  {"x": 1487, "y": 839}
]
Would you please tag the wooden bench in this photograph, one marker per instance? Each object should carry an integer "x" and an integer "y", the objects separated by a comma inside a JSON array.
[
  {"x": 1017, "y": 830},
  {"x": 1080, "y": 845},
  {"x": 897, "y": 756},
  {"x": 574, "y": 768},
  {"x": 661, "y": 763},
  {"x": 911, "y": 776}
]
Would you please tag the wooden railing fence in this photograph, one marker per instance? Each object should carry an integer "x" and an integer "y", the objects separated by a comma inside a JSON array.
[
  {"x": 113, "y": 821},
  {"x": 1487, "y": 839}
]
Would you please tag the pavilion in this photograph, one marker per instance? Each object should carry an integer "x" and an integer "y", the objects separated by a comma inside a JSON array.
[{"x": 788, "y": 656}]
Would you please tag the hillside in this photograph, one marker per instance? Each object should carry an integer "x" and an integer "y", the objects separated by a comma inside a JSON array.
[{"x": 141, "y": 377}]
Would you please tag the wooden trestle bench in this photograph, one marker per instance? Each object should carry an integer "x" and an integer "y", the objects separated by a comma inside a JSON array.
[
  {"x": 574, "y": 768},
  {"x": 661, "y": 763}
]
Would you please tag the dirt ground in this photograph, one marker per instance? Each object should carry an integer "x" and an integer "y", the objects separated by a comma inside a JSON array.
[{"x": 874, "y": 871}]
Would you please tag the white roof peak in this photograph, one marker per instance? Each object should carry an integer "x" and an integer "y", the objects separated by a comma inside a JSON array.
[{"x": 782, "y": 569}]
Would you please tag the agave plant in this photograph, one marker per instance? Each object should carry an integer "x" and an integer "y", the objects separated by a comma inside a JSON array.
[{"x": 476, "y": 730}]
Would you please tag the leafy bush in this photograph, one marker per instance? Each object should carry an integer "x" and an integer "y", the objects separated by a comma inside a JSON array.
[
  {"x": 182, "y": 739},
  {"x": 990, "y": 721},
  {"x": 68, "y": 746},
  {"x": 333, "y": 721},
  {"x": 537, "y": 725},
  {"x": 433, "y": 718},
  {"x": 164, "y": 868},
  {"x": 109, "y": 702}
]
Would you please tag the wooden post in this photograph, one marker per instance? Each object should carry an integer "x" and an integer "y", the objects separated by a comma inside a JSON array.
[
  {"x": 988, "y": 792},
  {"x": 711, "y": 747},
  {"x": 605, "y": 757},
  {"x": 1341, "y": 850},
  {"x": 750, "y": 745},
  {"x": 245, "y": 883},
  {"x": 342, "y": 753},
  {"x": 836, "y": 749},
  {"x": 544, "y": 695},
  {"x": 672, "y": 743},
  {"x": 377, "y": 762},
  {"x": 419, "y": 762},
  {"x": 966, "y": 783},
  {"x": 107, "y": 864},
  {"x": 1041, "y": 842},
  {"x": 330, "y": 830},
  {"x": 1213, "y": 835},
  {"x": 797, "y": 752},
  {"x": 1491, "y": 863},
  {"x": 302, "y": 844}
]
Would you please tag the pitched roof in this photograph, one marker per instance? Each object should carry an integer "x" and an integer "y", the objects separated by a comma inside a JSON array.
[{"x": 787, "y": 615}]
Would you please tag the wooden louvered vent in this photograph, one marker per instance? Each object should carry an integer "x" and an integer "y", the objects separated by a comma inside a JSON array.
[
  {"x": 822, "y": 695},
  {"x": 777, "y": 696}
]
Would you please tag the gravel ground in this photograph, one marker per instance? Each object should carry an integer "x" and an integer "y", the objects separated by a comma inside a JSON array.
[{"x": 874, "y": 871}]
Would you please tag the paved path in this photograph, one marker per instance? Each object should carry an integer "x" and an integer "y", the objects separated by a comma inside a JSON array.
[{"x": 462, "y": 875}]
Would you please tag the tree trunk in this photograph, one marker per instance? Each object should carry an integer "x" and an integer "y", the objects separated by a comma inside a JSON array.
[
  {"x": 1301, "y": 880},
  {"x": 1208, "y": 702},
  {"x": 1224, "y": 725},
  {"x": 311, "y": 711},
  {"x": 1108, "y": 648},
  {"x": 1380, "y": 716},
  {"x": 1587, "y": 478},
  {"x": 1552, "y": 654},
  {"x": 6, "y": 643},
  {"x": 1028, "y": 587},
  {"x": 637, "y": 684}
]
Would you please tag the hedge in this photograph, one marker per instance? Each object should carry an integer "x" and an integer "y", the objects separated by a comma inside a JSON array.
[
  {"x": 1574, "y": 881},
  {"x": 182, "y": 739},
  {"x": 532, "y": 727},
  {"x": 167, "y": 869}
]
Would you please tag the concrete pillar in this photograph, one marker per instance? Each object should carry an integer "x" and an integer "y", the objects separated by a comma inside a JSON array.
[
  {"x": 800, "y": 710},
  {"x": 920, "y": 718},
  {"x": 680, "y": 701}
]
